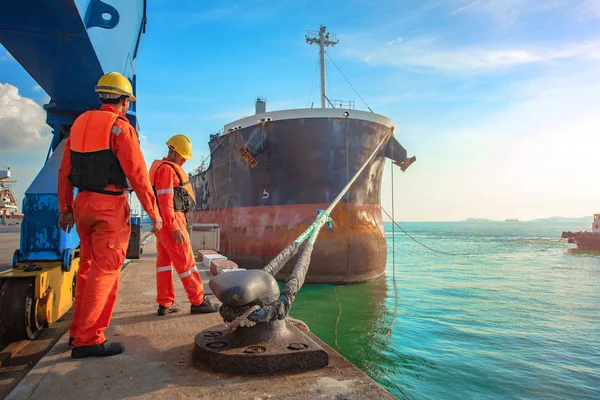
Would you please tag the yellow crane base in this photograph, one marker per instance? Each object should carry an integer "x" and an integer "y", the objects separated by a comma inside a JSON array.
[{"x": 34, "y": 295}]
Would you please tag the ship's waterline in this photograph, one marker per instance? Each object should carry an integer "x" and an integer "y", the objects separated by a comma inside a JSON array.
[{"x": 354, "y": 250}]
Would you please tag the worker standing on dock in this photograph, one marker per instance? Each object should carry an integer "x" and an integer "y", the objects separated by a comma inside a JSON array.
[
  {"x": 101, "y": 157},
  {"x": 175, "y": 198}
]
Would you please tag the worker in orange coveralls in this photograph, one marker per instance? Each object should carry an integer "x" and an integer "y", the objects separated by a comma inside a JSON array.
[
  {"x": 101, "y": 157},
  {"x": 175, "y": 198}
]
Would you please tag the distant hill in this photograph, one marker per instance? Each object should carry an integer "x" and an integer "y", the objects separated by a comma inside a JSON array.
[
  {"x": 551, "y": 219},
  {"x": 478, "y": 220},
  {"x": 587, "y": 218}
]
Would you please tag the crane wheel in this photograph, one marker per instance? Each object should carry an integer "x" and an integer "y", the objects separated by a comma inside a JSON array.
[{"x": 18, "y": 320}]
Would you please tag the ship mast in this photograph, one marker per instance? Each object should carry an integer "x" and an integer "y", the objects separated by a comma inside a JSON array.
[{"x": 323, "y": 39}]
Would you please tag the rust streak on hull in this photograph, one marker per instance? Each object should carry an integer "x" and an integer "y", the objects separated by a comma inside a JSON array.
[{"x": 354, "y": 250}]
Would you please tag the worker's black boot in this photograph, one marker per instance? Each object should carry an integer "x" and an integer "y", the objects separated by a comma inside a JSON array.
[
  {"x": 162, "y": 310},
  {"x": 206, "y": 307},
  {"x": 105, "y": 349}
]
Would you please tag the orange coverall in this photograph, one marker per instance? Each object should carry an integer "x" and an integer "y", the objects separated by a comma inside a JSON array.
[
  {"x": 169, "y": 253},
  {"x": 103, "y": 224}
]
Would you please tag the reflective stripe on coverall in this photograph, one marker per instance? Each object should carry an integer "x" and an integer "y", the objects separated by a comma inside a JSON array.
[
  {"x": 102, "y": 221},
  {"x": 169, "y": 253}
]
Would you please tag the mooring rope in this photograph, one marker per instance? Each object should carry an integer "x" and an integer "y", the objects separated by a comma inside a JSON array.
[
  {"x": 199, "y": 169},
  {"x": 281, "y": 307},
  {"x": 389, "y": 329},
  {"x": 322, "y": 218},
  {"x": 349, "y": 83}
]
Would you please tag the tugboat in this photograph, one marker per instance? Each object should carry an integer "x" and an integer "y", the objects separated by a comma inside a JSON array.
[
  {"x": 589, "y": 241},
  {"x": 9, "y": 212}
]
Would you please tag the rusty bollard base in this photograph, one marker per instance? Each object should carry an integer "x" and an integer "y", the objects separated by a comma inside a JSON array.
[{"x": 271, "y": 348}]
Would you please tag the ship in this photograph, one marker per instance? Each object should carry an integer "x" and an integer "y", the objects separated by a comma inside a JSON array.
[
  {"x": 585, "y": 240},
  {"x": 511, "y": 220},
  {"x": 270, "y": 173},
  {"x": 9, "y": 211}
]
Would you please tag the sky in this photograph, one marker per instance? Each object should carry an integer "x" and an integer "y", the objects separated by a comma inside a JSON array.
[{"x": 499, "y": 100}]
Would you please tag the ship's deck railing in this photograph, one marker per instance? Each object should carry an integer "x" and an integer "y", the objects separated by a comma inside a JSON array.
[{"x": 343, "y": 104}]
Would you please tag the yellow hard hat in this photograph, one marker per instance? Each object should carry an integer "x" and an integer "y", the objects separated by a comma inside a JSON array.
[
  {"x": 182, "y": 145},
  {"x": 116, "y": 84}
]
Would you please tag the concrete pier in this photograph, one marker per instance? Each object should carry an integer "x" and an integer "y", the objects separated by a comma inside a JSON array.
[{"x": 157, "y": 362}]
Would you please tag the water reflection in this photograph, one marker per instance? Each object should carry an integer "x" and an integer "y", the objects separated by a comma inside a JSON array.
[{"x": 362, "y": 328}]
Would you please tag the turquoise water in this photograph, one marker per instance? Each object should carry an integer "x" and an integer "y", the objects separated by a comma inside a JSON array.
[{"x": 515, "y": 324}]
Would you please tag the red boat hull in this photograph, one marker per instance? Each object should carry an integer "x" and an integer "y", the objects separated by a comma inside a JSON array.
[{"x": 589, "y": 241}]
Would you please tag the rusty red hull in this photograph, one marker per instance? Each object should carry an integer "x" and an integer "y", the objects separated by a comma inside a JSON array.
[
  {"x": 587, "y": 241},
  {"x": 353, "y": 251}
]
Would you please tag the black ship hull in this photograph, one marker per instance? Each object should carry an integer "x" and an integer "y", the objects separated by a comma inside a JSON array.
[{"x": 302, "y": 159}]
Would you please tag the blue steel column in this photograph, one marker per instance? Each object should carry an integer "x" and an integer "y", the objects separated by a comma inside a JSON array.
[{"x": 65, "y": 55}]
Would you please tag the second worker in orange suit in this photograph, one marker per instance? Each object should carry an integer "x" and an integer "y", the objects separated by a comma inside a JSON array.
[
  {"x": 102, "y": 156},
  {"x": 175, "y": 198}
]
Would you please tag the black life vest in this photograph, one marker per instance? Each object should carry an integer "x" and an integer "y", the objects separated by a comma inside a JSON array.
[
  {"x": 184, "y": 199},
  {"x": 94, "y": 165}
]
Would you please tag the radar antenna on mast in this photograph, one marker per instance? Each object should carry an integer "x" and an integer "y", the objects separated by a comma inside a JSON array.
[{"x": 322, "y": 39}]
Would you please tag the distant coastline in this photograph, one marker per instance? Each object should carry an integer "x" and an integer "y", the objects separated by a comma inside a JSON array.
[
  {"x": 473, "y": 220},
  {"x": 587, "y": 219},
  {"x": 550, "y": 219}
]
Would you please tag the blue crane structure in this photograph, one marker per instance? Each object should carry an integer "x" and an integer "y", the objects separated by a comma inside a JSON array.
[{"x": 66, "y": 46}]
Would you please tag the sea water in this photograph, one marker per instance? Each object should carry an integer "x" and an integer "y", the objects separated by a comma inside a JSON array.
[{"x": 518, "y": 317}]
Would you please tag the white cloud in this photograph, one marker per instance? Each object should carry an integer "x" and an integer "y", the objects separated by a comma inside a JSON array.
[
  {"x": 379, "y": 50},
  {"x": 548, "y": 146},
  {"x": 534, "y": 158},
  {"x": 427, "y": 52},
  {"x": 22, "y": 120},
  {"x": 506, "y": 12},
  {"x": 589, "y": 9},
  {"x": 152, "y": 150},
  {"x": 466, "y": 7}
]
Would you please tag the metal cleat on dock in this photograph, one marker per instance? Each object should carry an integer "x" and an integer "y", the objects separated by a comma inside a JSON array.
[
  {"x": 244, "y": 346},
  {"x": 258, "y": 337}
]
